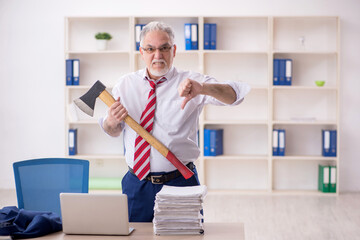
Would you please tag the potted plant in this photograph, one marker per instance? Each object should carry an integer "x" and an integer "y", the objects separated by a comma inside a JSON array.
[{"x": 102, "y": 39}]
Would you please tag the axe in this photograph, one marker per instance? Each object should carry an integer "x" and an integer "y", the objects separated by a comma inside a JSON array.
[{"x": 87, "y": 104}]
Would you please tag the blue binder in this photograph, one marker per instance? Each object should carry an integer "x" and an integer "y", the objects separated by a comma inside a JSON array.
[
  {"x": 282, "y": 71},
  {"x": 76, "y": 71},
  {"x": 329, "y": 143},
  {"x": 213, "y": 34},
  {"x": 72, "y": 141},
  {"x": 288, "y": 72},
  {"x": 275, "y": 142},
  {"x": 207, "y": 36},
  {"x": 69, "y": 72},
  {"x": 194, "y": 37},
  {"x": 276, "y": 72},
  {"x": 138, "y": 28},
  {"x": 187, "y": 33},
  {"x": 213, "y": 142},
  {"x": 281, "y": 151}
]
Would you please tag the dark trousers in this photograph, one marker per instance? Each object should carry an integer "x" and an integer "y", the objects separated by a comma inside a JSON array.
[{"x": 141, "y": 194}]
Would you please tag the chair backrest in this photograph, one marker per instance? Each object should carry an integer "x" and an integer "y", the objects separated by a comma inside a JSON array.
[{"x": 39, "y": 182}]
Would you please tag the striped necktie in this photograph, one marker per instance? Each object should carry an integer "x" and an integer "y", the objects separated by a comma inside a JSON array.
[{"x": 142, "y": 148}]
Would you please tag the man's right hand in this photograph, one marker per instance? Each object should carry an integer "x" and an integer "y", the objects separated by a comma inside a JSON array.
[{"x": 116, "y": 114}]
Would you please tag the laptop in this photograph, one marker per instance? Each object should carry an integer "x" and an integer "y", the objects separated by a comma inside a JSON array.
[{"x": 95, "y": 214}]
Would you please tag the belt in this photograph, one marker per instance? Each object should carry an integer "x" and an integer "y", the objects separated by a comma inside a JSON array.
[{"x": 163, "y": 178}]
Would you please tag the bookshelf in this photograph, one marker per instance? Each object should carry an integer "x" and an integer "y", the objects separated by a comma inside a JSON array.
[{"x": 246, "y": 47}]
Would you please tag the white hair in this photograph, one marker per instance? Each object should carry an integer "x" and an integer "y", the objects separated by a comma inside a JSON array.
[{"x": 157, "y": 26}]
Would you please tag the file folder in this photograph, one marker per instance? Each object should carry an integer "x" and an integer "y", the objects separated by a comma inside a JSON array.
[
  {"x": 194, "y": 36},
  {"x": 276, "y": 72},
  {"x": 333, "y": 179},
  {"x": 329, "y": 143},
  {"x": 288, "y": 72},
  {"x": 324, "y": 176},
  {"x": 76, "y": 71},
  {"x": 213, "y": 34},
  {"x": 138, "y": 28},
  {"x": 187, "y": 33},
  {"x": 213, "y": 142},
  {"x": 72, "y": 141},
  {"x": 282, "y": 71},
  {"x": 281, "y": 151},
  {"x": 69, "y": 72},
  {"x": 275, "y": 142},
  {"x": 207, "y": 36}
]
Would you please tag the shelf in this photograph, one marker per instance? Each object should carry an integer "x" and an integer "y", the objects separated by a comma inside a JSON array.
[
  {"x": 240, "y": 157},
  {"x": 235, "y": 122},
  {"x": 303, "y": 122},
  {"x": 304, "y": 158},
  {"x": 246, "y": 48},
  {"x": 94, "y": 157}
]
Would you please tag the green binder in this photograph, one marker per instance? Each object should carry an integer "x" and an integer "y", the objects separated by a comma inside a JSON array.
[
  {"x": 324, "y": 177},
  {"x": 333, "y": 179}
]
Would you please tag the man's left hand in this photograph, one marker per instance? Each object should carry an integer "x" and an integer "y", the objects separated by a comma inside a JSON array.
[{"x": 189, "y": 89}]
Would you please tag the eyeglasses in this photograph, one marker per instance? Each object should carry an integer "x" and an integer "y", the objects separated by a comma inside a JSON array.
[{"x": 162, "y": 49}]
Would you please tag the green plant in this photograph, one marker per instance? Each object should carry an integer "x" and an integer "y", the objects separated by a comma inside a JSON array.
[{"x": 103, "y": 35}]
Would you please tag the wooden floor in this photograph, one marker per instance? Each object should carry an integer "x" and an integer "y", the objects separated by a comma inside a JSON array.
[{"x": 277, "y": 216}]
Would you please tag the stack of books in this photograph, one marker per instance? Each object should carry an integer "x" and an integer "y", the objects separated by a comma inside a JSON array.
[{"x": 177, "y": 210}]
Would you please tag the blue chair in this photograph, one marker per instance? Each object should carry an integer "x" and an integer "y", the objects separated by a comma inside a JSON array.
[{"x": 39, "y": 182}]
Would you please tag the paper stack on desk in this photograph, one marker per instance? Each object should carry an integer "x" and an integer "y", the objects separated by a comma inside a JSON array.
[{"x": 177, "y": 210}]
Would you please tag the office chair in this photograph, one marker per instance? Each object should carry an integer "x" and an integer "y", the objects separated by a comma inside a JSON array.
[{"x": 40, "y": 181}]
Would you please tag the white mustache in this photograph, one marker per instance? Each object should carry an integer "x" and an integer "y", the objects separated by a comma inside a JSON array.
[{"x": 158, "y": 61}]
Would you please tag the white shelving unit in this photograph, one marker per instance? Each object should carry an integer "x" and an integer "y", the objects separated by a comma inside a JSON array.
[{"x": 246, "y": 47}]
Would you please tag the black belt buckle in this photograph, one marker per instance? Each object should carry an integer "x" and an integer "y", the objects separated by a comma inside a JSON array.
[{"x": 156, "y": 179}]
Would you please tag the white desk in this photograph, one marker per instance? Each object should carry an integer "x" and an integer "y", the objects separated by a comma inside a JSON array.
[{"x": 144, "y": 231}]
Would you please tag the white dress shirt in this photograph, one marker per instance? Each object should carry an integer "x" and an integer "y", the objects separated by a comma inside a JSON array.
[{"x": 175, "y": 128}]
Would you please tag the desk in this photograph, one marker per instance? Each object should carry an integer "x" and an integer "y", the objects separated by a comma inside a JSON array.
[{"x": 144, "y": 231}]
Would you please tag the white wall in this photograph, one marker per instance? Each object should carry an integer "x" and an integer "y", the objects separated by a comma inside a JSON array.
[{"x": 32, "y": 67}]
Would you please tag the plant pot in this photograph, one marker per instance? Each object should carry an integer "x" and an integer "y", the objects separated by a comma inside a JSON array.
[{"x": 101, "y": 44}]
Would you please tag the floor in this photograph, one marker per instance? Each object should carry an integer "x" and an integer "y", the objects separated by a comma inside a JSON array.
[{"x": 277, "y": 217}]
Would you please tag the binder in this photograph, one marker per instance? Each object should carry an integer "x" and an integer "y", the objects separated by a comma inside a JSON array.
[
  {"x": 281, "y": 151},
  {"x": 69, "y": 72},
  {"x": 282, "y": 71},
  {"x": 276, "y": 72},
  {"x": 194, "y": 36},
  {"x": 333, "y": 179},
  {"x": 213, "y": 142},
  {"x": 138, "y": 28},
  {"x": 72, "y": 141},
  {"x": 329, "y": 143},
  {"x": 207, "y": 36},
  {"x": 187, "y": 33},
  {"x": 288, "y": 72},
  {"x": 213, "y": 34},
  {"x": 76, "y": 71},
  {"x": 275, "y": 142},
  {"x": 324, "y": 177}
]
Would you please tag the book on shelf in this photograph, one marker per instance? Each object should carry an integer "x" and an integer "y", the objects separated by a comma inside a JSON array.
[
  {"x": 72, "y": 141},
  {"x": 72, "y": 72},
  {"x": 282, "y": 72},
  {"x": 213, "y": 142},
  {"x": 329, "y": 143},
  {"x": 191, "y": 36},
  {"x": 138, "y": 28},
  {"x": 327, "y": 178},
  {"x": 278, "y": 142}
]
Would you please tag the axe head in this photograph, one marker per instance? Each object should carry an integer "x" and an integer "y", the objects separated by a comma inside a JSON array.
[{"x": 87, "y": 102}]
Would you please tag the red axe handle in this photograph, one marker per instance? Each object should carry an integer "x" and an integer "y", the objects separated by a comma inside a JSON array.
[{"x": 108, "y": 99}]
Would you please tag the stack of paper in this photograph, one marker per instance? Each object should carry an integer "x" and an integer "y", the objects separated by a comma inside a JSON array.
[{"x": 177, "y": 210}]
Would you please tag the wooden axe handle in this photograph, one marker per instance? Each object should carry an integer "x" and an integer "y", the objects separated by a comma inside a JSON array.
[{"x": 108, "y": 99}]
